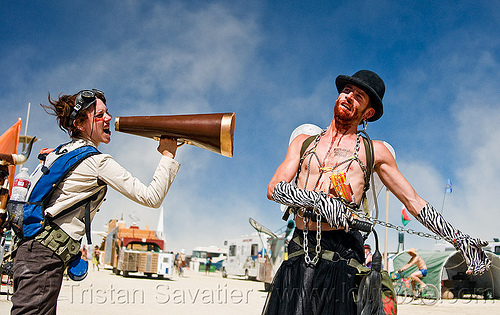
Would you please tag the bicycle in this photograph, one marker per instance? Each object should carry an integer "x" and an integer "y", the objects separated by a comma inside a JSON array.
[{"x": 429, "y": 295}]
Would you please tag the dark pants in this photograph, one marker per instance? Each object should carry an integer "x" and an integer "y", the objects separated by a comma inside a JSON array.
[{"x": 38, "y": 274}]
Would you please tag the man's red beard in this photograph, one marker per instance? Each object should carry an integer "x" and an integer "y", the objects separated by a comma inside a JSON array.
[{"x": 345, "y": 118}]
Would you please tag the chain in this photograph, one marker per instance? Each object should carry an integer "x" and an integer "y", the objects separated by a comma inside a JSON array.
[
  {"x": 402, "y": 229},
  {"x": 318, "y": 239},
  {"x": 356, "y": 148},
  {"x": 305, "y": 232},
  {"x": 306, "y": 246}
]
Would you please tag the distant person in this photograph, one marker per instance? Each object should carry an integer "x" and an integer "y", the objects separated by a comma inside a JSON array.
[
  {"x": 208, "y": 265},
  {"x": 368, "y": 256},
  {"x": 85, "y": 254},
  {"x": 183, "y": 258},
  {"x": 95, "y": 258},
  {"x": 417, "y": 275},
  {"x": 178, "y": 265},
  {"x": 38, "y": 261}
]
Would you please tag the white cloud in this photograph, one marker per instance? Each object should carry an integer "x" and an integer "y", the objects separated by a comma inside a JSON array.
[
  {"x": 472, "y": 152},
  {"x": 169, "y": 63}
]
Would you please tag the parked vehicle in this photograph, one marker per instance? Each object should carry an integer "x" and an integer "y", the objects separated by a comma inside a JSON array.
[
  {"x": 200, "y": 255},
  {"x": 242, "y": 255},
  {"x": 131, "y": 250}
]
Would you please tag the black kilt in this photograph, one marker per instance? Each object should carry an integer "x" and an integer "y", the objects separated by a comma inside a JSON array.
[{"x": 326, "y": 288}]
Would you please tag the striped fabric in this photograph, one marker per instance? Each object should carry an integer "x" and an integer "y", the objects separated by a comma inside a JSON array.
[
  {"x": 474, "y": 256},
  {"x": 333, "y": 210}
]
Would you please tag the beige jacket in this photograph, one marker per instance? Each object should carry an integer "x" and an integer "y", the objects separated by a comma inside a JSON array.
[{"x": 92, "y": 175}]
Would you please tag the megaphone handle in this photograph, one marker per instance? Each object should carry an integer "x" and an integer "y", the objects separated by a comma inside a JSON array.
[{"x": 179, "y": 142}]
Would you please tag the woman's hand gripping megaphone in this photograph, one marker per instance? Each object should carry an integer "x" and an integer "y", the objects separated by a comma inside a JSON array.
[{"x": 168, "y": 146}]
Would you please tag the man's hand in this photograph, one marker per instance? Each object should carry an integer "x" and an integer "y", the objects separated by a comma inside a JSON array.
[
  {"x": 471, "y": 248},
  {"x": 334, "y": 211}
]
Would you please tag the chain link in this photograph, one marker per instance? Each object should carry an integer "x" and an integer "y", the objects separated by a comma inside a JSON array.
[
  {"x": 318, "y": 239},
  {"x": 356, "y": 147},
  {"x": 317, "y": 249},
  {"x": 305, "y": 232},
  {"x": 306, "y": 245},
  {"x": 398, "y": 228},
  {"x": 402, "y": 229}
]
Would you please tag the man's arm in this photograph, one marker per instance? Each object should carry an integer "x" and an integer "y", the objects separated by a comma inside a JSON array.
[
  {"x": 409, "y": 264},
  {"x": 288, "y": 168},
  {"x": 471, "y": 249}
]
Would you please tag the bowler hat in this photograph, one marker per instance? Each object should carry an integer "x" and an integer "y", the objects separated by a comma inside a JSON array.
[{"x": 369, "y": 82}]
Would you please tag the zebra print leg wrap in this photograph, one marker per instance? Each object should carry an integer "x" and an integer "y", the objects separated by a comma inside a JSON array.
[
  {"x": 474, "y": 256},
  {"x": 334, "y": 211}
]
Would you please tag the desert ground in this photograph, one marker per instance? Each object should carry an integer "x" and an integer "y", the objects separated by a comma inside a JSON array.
[{"x": 103, "y": 292}]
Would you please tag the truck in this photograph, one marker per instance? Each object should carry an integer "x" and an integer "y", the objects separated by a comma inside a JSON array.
[
  {"x": 242, "y": 255},
  {"x": 135, "y": 250}
]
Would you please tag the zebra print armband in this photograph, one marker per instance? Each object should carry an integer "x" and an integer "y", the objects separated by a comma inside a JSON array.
[
  {"x": 334, "y": 211},
  {"x": 471, "y": 248}
]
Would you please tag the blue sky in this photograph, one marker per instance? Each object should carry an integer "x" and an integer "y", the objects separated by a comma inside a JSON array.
[{"x": 274, "y": 64}]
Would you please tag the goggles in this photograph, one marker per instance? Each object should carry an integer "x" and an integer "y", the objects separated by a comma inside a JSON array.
[{"x": 84, "y": 100}]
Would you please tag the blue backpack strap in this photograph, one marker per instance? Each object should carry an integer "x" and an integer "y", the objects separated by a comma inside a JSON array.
[{"x": 46, "y": 185}]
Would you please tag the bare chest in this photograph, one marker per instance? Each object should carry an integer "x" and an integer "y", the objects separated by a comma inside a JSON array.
[{"x": 337, "y": 169}]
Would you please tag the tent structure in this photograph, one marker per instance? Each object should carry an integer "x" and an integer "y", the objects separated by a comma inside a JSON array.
[{"x": 447, "y": 271}]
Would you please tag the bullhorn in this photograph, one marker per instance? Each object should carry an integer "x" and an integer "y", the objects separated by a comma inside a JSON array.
[{"x": 213, "y": 132}]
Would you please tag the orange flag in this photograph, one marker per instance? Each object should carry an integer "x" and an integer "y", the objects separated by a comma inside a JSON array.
[{"x": 9, "y": 142}]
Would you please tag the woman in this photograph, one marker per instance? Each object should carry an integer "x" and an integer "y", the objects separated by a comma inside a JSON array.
[{"x": 38, "y": 270}]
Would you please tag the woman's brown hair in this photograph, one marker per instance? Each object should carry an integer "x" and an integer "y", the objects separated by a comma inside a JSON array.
[{"x": 62, "y": 109}]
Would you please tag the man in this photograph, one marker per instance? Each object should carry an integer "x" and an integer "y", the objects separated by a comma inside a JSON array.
[
  {"x": 420, "y": 273},
  {"x": 331, "y": 177}
]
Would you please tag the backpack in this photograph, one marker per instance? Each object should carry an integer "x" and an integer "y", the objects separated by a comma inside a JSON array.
[{"x": 28, "y": 218}]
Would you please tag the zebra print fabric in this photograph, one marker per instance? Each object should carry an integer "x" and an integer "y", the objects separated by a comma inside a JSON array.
[
  {"x": 334, "y": 211},
  {"x": 471, "y": 248}
]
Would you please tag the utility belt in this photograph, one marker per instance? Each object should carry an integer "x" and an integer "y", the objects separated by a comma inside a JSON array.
[
  {"x": 55, "y": 239},
  {"x": 324, "y": 253}
]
